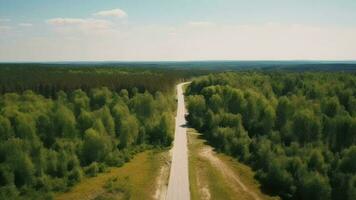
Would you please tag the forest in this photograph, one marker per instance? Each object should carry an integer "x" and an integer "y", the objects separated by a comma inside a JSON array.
[
  {"x": 62, "y": 124},
  {"x": 48, "y": 79},
  {"x": 296, "y": 130}
]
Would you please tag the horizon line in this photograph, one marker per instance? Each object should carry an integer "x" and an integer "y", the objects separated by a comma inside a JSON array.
[{"x": 175, "y": 61}]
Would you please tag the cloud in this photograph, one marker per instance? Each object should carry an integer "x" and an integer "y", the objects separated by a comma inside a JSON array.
[
  {"x": 25, "y": 24},
  {"x": 77, "y": 39},
  {"x": 74, "y": 27},
  {"x": 200, "y": 23},
  {"x": 65, "y": 21},
  {"x": 80, "y": 23},
  {"x": 112, "y": 13}
]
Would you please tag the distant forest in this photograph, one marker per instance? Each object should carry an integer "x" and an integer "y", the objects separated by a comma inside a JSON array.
[
  {"x": 297, "y": 130},
  {"x": 48, "y": 79}
]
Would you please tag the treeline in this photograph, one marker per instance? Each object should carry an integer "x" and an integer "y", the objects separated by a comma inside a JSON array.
[
  {"x": 297, "y": 130},
  {"x": 48, "y": 145},
  {"x": 48, "y": 79}
]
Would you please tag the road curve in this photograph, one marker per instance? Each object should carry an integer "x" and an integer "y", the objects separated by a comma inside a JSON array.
[{"x": 178, "y": 185}]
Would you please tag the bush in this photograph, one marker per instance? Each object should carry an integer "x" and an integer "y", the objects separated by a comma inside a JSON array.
[
  {"x": 59, "y": 184},
  {"x": 75, "y": 176},
  {"x": 92, "y": 169},
  {"x": 114, "y": 158}
]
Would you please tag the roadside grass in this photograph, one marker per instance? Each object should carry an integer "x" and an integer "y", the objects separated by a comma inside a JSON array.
[
  {"x": 217, "y": 185},
  {"x": 208, "y": 182},
  {"x": 246, "y": 175},
  {"x": 134, "y": 180},
  {"x": 195, "y": 167},
  {"x": 205, "y": 181}
]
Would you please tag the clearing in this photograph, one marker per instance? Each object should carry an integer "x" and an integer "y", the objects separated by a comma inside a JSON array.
[
  {"x": 144, "y": 177},
  {"x": 217, "y": 176}
]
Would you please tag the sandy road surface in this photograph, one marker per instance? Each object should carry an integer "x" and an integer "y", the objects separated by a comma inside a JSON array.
[{"x": 178, "y": 185}]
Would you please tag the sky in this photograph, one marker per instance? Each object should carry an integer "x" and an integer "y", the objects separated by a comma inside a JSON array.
[{"x": 174, "y": 30}]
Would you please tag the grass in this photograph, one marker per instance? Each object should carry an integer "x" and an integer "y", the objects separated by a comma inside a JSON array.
[
  {"x": 203, "y": 175},
  {"x": 135, "y": 180},
  {"x": 246, "y": 174},
  {"x": 207, "y": 180}
]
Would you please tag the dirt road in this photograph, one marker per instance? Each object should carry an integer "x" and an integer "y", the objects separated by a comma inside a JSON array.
[
  {"x": 178, "y": 185},
  {"x": 227, "y": 172}
]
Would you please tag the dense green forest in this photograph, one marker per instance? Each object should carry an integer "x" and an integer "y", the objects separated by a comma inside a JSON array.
[
  {"x": 48, "y": 79},
  {"x": 297, "y": 130},
  {"x": 50, "y": 139}
]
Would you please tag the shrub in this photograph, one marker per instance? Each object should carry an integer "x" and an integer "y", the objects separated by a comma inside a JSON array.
[{"x": 92, "y": 169}]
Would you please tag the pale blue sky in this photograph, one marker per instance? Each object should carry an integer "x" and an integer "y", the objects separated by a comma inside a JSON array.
[
  {"x": 333, "y": 12},
  {"x": 35, "y": 30}
]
